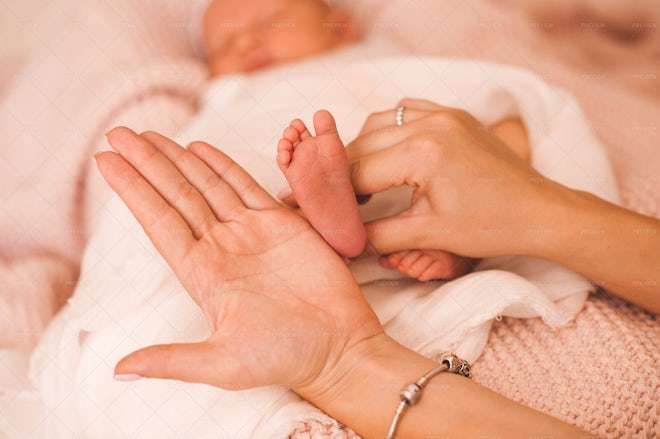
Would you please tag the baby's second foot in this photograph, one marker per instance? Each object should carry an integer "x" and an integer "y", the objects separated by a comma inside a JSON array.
[
  {"x": 426, "y": 265},
  {"x": 316, "y": 168}
]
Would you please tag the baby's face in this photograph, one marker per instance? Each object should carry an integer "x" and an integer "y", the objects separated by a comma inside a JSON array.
[{"x": 246, "y": 35}]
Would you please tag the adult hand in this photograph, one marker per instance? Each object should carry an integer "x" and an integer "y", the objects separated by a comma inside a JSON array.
[
  {"x": 473, "y": 196},
  {"x": 282, "y": 306}
]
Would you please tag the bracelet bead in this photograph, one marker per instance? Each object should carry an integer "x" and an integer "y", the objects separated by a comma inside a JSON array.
[{"x": 412, "y": 392}]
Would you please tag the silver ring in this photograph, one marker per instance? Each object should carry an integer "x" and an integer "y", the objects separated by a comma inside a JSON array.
[{"x": 399, "y": 115}]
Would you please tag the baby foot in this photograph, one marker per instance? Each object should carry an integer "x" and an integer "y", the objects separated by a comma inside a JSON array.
[
  {"x": 316, "y": 168},
  {"x": 427, "y": 265}
]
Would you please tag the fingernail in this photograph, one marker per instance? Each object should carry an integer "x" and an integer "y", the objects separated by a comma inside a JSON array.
[
  {"x": 127, "y": 377},
  {"x": 285, "y": 192}
]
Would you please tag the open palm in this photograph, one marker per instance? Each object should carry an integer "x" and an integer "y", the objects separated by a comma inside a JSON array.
[{"x": 281, "y": 304}]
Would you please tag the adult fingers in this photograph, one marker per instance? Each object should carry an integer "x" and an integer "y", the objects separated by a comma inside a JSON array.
[
  {"x": 190, "y": 362},
  {"x": 218, "y": 194},
  {"x": 387, "y": 119},
  {"x": 404, "y": 163},
  {"x": 413, "y": 109},
  {"x": 163, "y": 176},
  {"x": 242, "y": 183},
  {"x": 378, "y": 172},
  {"x": 402, "y": 232},
  {"x": 164, "y": 225},
  {"x": 430, "y": 123}
]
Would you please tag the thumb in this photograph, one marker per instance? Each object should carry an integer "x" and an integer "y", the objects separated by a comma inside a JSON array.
[
  {"x": 192, "y": 362},
  {"x": 404, "y": 232}
]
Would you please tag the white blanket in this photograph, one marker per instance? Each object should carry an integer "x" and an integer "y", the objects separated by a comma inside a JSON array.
[{"x": 128, "y": 298}]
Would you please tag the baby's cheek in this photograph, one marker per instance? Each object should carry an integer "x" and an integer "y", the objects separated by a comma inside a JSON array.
[
  {"x": 296, "y": 44},
  {"x": 222, "y": 65}
]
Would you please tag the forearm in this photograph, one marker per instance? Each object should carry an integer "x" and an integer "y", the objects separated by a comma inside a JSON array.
[
  {"x": 618, "y": 249},
  {"x": 367, "y": 394}
]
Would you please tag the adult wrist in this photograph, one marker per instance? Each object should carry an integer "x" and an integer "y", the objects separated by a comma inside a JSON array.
[
  {"x": 550, "y": 219},
  {"x": 331, "y": 384},
  {"x": 362, "y": 390},
  {"x": 567, "y": 221},
  {"x": 614, "y": 247}
]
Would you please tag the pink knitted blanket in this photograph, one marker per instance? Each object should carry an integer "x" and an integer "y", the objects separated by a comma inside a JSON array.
[{"x": 95, "y": 75}]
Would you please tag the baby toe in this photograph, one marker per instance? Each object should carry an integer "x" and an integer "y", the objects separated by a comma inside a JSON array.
[
  {"x": 435, "y": 270},
  {"x": 301, "y": 128},
  {"x": 408, "y": 259},
  {"x": 324, "y": 123},
  {"x": 394, "y": 259},
  {"x": 419, "y": 267},
  {"x": 284, "y": 149},
  {"x": 291, "y": 134}
]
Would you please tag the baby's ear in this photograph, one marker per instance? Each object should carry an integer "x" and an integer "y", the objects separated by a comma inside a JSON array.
[{"x": 343, "y": 26}]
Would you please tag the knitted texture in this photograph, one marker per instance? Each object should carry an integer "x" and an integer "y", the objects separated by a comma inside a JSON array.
[
  {"x": 641, "y": 195},
  {"x": 327, "y": 429},
  {"x": 599, "y": 372}
]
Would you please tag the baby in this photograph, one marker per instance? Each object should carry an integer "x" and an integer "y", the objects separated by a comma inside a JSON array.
[{"x": 243, "y": 36}]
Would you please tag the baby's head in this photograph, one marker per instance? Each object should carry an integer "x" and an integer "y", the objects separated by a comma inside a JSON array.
[{"x": 242, "y": 36}]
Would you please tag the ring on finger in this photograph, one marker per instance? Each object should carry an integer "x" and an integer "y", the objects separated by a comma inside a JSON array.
[{"x": 399, "y": 115}]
